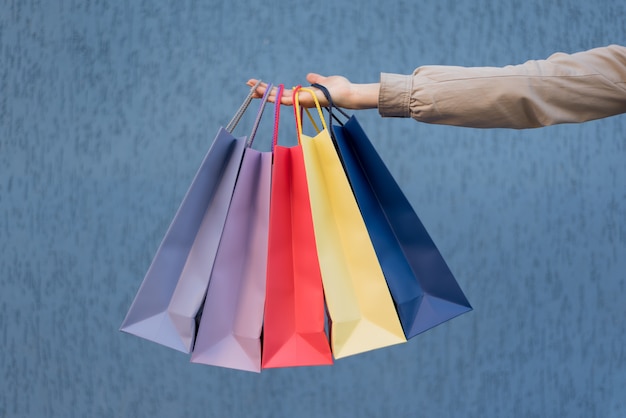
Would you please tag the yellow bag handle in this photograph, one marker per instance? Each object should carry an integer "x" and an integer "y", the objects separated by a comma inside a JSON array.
[{"x": 298, "y": 111}]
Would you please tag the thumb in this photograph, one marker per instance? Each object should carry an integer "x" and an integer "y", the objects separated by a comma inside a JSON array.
[{"x": 315, "y": 78}]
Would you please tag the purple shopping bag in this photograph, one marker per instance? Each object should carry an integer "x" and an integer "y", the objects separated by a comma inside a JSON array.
[
  {"x": 171, "y": 294},
  {"x": 229, "y": 334}
]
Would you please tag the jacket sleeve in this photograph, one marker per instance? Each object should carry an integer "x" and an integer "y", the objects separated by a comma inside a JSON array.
[{"x": 564, "y": 88}]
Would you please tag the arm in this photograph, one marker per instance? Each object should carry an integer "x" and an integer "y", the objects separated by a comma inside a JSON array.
[{"x": 561, "y": 89}]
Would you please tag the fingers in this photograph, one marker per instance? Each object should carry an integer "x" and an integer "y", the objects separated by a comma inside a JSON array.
[
  {"x": 285, "y": 99},
  {"x": 305, "y": 99},
  {"x": 260, "y": 90}
]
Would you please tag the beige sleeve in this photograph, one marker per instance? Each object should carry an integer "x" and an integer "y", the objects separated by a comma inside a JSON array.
[{"x": 561, "y": 89}]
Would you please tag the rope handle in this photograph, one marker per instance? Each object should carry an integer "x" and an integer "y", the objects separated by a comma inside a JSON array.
[
  {"x": 258, "y": 116},
  {"x": 242, "y": 109},
  {"x": 279, "y": 95},
  {"x": 298, "y": 110},
  {"x": 331, "y": 105}
]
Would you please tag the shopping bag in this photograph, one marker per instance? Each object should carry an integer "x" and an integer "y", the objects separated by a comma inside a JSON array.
[
  {"x": 423, "y": 288},
  {"x": 294, "y": 324},
  {"x": 165, "y": 307},
  {"x": 229, "y": 332},
  {"x": 361, "y": 310}
]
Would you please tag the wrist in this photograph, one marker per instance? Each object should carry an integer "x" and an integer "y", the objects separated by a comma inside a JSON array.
[{"x": 364, "y": 96}]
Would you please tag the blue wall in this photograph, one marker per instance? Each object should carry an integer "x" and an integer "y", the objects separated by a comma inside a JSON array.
[{"x": 106, "y": 109}]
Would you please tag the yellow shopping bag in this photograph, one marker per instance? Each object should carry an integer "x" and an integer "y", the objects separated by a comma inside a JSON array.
[{"x": 362, "y": 313}]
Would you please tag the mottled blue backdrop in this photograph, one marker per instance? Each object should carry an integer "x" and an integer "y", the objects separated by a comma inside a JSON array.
[{"x": 106, "y": 109}]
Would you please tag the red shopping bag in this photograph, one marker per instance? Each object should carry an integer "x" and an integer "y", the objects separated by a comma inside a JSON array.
[{"x": 293, "y": 332}]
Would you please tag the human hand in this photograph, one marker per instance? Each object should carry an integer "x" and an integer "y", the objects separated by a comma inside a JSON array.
[{"x": 343, "y": 92}]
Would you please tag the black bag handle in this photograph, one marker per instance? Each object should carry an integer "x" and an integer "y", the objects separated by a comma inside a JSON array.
[{"x": 331, "y": 106}]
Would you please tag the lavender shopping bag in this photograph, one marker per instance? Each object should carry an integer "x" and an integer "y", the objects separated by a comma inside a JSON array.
[
  {"x": 167, "y": 303},
  {"x": 229, "y": 334}
]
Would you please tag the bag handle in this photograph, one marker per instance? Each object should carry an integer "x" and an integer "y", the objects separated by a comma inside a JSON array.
[
  {"x": 258, "y": 116},
  {"x": 242, "y": 109},
  {"x": 279, "y": 95},
  {"x": 298, "y": 113},
  {"x": 298, "y": 109},
  {"x": 331, "y": 105}
]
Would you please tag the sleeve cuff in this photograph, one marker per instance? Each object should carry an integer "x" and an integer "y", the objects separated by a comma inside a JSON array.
[{"x": 394, "y": 96}]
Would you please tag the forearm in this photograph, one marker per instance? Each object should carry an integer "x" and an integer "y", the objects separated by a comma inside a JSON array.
[{"x": 561, "y": 89}]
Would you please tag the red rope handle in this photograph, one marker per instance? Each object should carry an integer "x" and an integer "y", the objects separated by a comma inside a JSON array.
[
  {"x": 296, "y": 109},
  {"x": 279, "y": 95}
]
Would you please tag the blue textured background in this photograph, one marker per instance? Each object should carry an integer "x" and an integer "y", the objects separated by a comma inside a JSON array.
[{"x": 106, "y": 109}]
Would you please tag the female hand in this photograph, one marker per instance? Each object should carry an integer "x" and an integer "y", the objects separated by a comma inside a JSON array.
[{"x": 344, "y": 93}]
